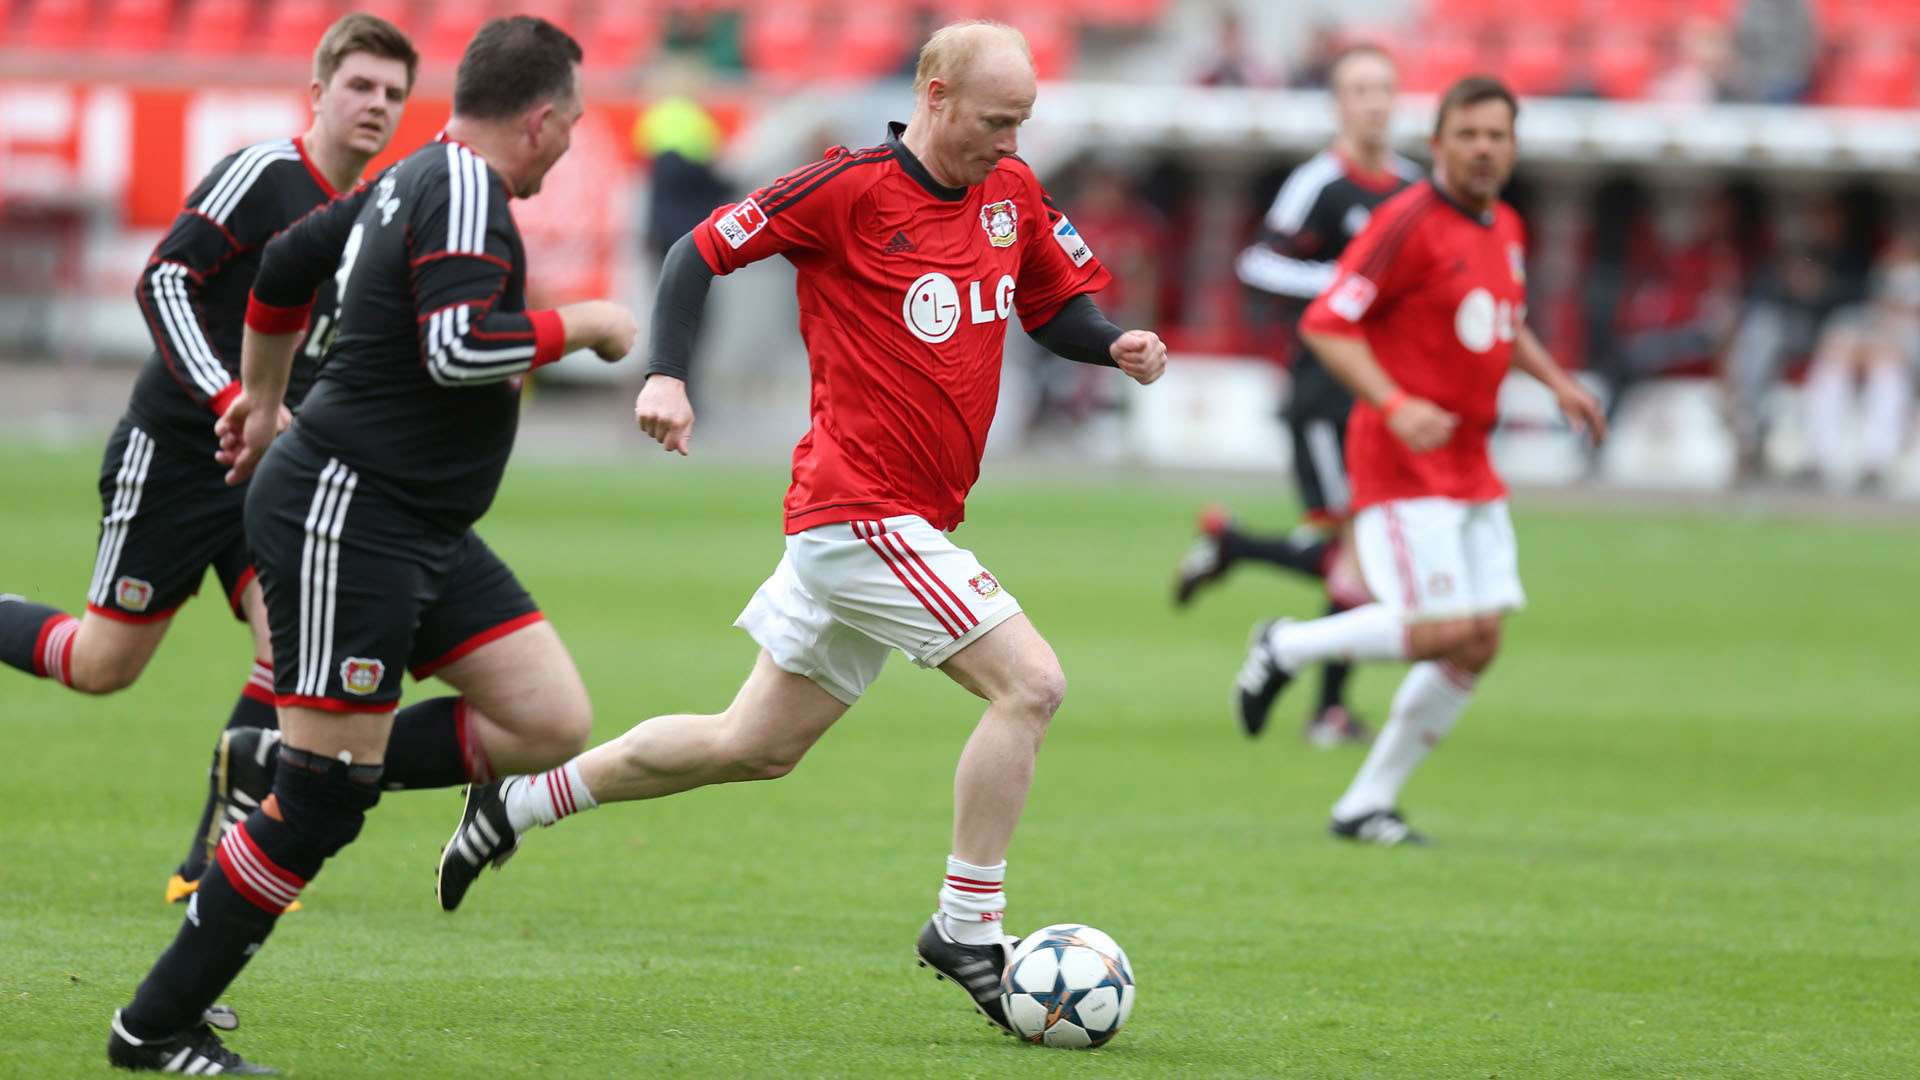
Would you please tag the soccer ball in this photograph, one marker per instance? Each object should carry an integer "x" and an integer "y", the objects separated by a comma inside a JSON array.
[{"x": 1067, "y": 985}]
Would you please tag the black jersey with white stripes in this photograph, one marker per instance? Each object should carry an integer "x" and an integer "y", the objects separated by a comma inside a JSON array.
[
  {"x": 419, "y": 392},
  {"x": 1321, "y": 207},
  {"x": 193, "y": 292}
]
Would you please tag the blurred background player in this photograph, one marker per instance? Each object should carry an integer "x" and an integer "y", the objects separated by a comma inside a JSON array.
[
  {"x": 1423, "y": 321},
  {"x": 1323, "y": 205},
  {"x": 167, "y": 514},
  {"x": 912, "y": 257},
  {"x": 361, "y": 516}
]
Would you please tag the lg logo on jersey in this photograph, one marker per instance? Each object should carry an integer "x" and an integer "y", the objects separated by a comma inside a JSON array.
[
  {"x": 932, "y": 308},
  {"x": 1481, "y": 322}
]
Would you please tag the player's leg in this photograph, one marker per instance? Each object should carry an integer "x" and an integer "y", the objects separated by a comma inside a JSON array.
[
  {"x": 1436, "y": 691},
  {"x": 243, "y": 760},
  {"x": 339, "y": 589},
  {"x": 1332, "y": 723},
  {"x": 810, "y": 670}
]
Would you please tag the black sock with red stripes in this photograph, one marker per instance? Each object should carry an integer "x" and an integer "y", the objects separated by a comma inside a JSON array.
[
  {"x": 36, "y": 638},
  {"x": 263, "y": 864},
  {"x": 432, "y": 746}
]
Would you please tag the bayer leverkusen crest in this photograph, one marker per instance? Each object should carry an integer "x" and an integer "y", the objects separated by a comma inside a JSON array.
[
  {"x": 1001, "y": 221},
  {"x": 361, "y": 676},
  {"x": 984, "y": 584}
]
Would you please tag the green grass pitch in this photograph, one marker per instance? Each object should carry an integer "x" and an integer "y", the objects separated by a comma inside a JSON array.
[{"x": 1677, "y": 827}]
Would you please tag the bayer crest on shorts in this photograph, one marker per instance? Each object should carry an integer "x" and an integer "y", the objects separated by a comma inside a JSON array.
[
  {"x": 984, "y": 584},
  {"x": 1001, "y": 221},
  {"x": 132, "y": 594},
  {"x": 359, "y": 675}
]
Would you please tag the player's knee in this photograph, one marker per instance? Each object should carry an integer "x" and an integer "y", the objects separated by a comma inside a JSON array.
[
  {"x": 98, "y": 671},
  {"x": 570, "y": 724},
  {"x": 1039, "y": 690},
  {"x": 1446, "y": 639},
  {"x": 323, "y": 801},
  {"x": 1483, "y": 646}
]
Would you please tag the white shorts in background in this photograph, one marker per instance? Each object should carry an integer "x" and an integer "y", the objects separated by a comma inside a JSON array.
[
  {"x": 1440, "y": 558},
  {"x": 847, "y": 595}
]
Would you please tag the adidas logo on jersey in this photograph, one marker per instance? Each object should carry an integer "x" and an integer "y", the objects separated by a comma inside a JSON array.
[{"x": 899, "y": 245}]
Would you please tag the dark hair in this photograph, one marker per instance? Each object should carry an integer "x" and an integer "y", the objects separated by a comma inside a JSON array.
[
  {"x": 1363, "y": 48},
  {"x": 362, "y": 33},
  {"x": 1473, "y": 90},
  {"x": 513, "y": 64}
]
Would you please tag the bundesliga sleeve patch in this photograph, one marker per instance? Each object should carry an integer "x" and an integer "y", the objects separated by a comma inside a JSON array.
[
  {"x": 1070, "y": 242},
  {"x": 741, "y": 223},
  {"x": 1351, "y": 298}
]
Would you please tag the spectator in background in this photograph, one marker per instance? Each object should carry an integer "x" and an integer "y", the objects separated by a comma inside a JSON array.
[
  {"x": 1135, "y": 245},
  {"x": 1679, "y": 293},
  {"x": 1774, "y": 45},
  {"x": 1811, "y": 275},
  {"x": 680, "y": 140},
  {"x": 1860, "y": 389},
  {"x": 1325, "y": 44},
  {"x": 1703, "y": 67},
  {"x": 1228, "y": 62}
]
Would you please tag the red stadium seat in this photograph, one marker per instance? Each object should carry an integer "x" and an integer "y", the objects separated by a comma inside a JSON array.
[
  {"x": 449, "y": 26},
  {"x": 1873, "y": 71},
  {"x": 1537, "y": 61},
  {"x": 619, "y": 37},
  {"x": 215, "y": 27},
  {"x": 56, "y": 25},
  {"x": 1432, "y": 62},
  {"x": 293, "y": 27},
  {"x": 1622, "y": 62},
  {"x": 782, "y": 42},
  {"x": 135, "y": 26},
  {"x": 870, "y": 44},
  {"x": 1117, "y": 13},
  {"x": 1052, "y": 38}
]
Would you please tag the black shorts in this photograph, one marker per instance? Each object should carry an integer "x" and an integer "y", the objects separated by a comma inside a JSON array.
[
  {"x": 360, "y": 588},
  {"x": 1320, "y": 463},
  {"x": 165, "y": 516}
]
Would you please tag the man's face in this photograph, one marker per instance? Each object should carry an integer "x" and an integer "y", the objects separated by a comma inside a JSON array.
[
  {"x": 979, "y": 122},
  {"x": 1364, "y": 86},
  {"x": 1475, "y": 149},
  {"x": 551, "y": 133},
  {"x": 360, "y": 106}
]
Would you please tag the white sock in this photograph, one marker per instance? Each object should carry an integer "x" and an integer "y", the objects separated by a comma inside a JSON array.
[
  {"x": 1883, "y": 425},
  {"x": 547, "y": 797},
  {"x": 1425, "y": 708},
  {"x": 973, "y": 901},
  {"x": 1368, "y": 632},
  {"x": 1829, "y": 402}
]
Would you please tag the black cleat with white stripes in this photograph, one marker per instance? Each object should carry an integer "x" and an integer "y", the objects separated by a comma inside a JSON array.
[
  {"x": 977, "y": 968},
  {"x": 195, "y": 1052},
  {"x": 485, "y": 838}
]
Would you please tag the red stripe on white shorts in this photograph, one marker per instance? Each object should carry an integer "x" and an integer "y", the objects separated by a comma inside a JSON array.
[
  {"x": 1402, "y": 559},
  {"x": 865, "y": 531}
]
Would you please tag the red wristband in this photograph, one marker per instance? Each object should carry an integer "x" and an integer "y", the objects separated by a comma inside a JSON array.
[
  {"x": 220, "y": 402},
  {"x": 549, "y": 336},
  {"x": 1393, "y": 402},
  {"x": 266, "y": 319}
]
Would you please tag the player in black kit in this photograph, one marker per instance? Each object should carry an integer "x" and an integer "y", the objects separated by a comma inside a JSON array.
[
  {"x": 361, "y": 515},
  {"x": 1320, "y": 209},
  {"x": 166, "y": 513}
]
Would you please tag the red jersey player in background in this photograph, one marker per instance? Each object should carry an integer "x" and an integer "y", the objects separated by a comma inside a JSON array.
[
  {"x": 912, "y": 256},
  {"x": 1425, "y": 317}
]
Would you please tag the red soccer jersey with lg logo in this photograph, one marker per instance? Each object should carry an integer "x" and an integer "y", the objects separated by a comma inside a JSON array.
[
  {"x": 905, "y": 290},
  {"x": 1438, "y": 292}
]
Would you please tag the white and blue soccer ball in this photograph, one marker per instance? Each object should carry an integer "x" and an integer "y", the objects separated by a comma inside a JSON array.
[{"x": 1067, "y": 985}]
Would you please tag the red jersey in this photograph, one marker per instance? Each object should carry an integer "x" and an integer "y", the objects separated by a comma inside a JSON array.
[
  {"x": 906, "y": 286},
  {"x": 1439, "y": 293}
]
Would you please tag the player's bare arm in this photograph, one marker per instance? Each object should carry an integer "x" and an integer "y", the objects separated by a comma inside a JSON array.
[
  {"x": 1141, "y": 354},
  {"x": 1419, "y": 423},
  {"x": 1580, "y": 408},
  {"x": 251, "y": 422}
]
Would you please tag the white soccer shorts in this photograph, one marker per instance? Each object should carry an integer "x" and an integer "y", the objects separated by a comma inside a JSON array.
[
  {"x": 1435, "y": 559},
  {"x": 845, "y": 596}
]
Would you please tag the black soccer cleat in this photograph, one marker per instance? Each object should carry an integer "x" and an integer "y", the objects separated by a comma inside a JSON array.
[
  {"x": 1384, "y": 827},
  {"x": 485, "y": 838},
  {"x": 195, "y": 1052},
  {"x": 238, "y": 780},
  {"x": 1205, "y": 561},
  {"x": 977, "y": 968},
  {"x": 1260, "y": 682},
  {"x": 1335, "y": 726}
]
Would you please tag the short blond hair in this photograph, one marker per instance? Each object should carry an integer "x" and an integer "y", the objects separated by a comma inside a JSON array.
[
  {"x": 360, "y": 32},
  {"x": 953, "y": 48}
]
